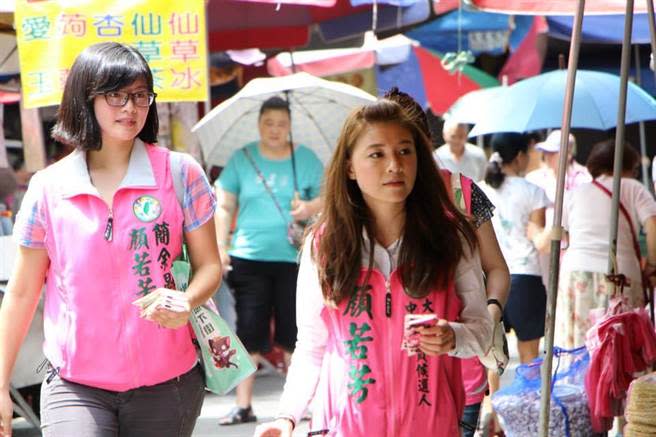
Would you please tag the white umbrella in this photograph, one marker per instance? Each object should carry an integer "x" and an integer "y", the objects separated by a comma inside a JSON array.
[
  {"x": 318, "y": 109},
  {"x": 474, "y": 106}
]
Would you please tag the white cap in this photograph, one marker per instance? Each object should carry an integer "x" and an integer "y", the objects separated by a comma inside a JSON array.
[{"x": 552, "y": 143}]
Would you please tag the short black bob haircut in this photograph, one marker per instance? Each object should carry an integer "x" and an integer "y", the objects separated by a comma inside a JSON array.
[
  {"x": 275, "y": 103},
  {"x": 100, "y": 68}
]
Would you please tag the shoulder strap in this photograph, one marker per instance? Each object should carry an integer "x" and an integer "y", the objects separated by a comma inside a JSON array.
[
  {"x": 459, "y": 189},
  {"x": 264, "y": 182},
  {"x": 466, "y": 184},
  {"x": 627, "y": 216},
  {"x": 175, "y": 164}
]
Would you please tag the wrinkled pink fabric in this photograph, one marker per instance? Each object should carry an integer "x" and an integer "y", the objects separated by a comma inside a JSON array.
[
  {"x": 474, "y": 375},
  {"x": 402, "y": 395},
  {"x": 93, "y": 334},
  {"x": 620, "y": 345}
]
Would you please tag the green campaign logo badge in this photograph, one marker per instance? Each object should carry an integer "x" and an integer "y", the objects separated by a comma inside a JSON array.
[{"x": 147, "y": 208}]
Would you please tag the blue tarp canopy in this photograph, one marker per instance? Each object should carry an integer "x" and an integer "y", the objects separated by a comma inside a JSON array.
[
  {"x": 607, "y": 29},
  {"x": 480, "y": 32},
  {"x": 390, "y": 16}
]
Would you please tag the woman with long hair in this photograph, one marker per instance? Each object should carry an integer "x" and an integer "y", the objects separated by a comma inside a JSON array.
[
  {"x": 388, "y": 245},
  {"x": 479, "y": 210}
]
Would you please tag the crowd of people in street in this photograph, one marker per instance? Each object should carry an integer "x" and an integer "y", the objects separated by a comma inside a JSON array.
[{"x": 388, "y": 278}]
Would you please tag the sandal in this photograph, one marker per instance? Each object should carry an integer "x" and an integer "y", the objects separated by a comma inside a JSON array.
[{"x": 237, "y": 416}]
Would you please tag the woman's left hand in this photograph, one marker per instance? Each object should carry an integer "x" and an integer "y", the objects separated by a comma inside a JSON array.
[
  {"x": 301, "y": 210},
  {"x": 170, "y": 310},
  {"x": 437, "y": 340}
]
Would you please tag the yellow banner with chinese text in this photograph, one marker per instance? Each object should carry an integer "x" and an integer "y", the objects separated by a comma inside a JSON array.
[{"x": 171, "y": 35}]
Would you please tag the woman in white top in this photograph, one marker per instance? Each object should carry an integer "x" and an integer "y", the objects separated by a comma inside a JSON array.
[
  {"x": 586, "y": 217},
  {"x": 519, "y": 225}
]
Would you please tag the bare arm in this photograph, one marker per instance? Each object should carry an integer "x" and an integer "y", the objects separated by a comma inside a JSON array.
[
  {"x": 205, "y": 263},
  {"x": 225, "y": 211},
  {"x": 19, "y": 305},
  {"x": 650, "y": 231},
  {"x": 535, "y": 229},
  {"x": 16, "y": 314},
  {"x": 497, "y": 276}
]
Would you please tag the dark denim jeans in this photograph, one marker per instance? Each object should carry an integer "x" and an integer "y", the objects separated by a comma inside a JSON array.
[{"x": 469, "y": 421}]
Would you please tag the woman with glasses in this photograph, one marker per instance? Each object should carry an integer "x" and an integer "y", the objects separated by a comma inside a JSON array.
[{"x": 101, "y": 228}]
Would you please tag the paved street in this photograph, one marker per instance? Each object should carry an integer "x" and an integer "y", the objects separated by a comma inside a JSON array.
[
  {"x": 267, "y": 392},
  {"x": 268, "y": 389}
]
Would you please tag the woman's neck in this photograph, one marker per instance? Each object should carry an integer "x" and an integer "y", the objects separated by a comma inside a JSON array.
[
  {"x": 274, "y": 152},
  {"x": 111, "y": 156},
  {"x": 389, "y": 222},
  {"x": 510, "y": 169}
]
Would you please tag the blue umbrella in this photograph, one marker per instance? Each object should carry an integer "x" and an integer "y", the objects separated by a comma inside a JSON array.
[{"x": 537, "y": 103}]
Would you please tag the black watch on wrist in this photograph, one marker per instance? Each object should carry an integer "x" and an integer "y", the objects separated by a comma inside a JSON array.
[
  {"x": 497, "y": 303},
  {"x": 286, "y": 417}
]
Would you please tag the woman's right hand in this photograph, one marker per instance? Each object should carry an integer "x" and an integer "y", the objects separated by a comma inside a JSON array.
[
  {"x": 6, "y": 413},
  {"x": 277, "y": 428}
]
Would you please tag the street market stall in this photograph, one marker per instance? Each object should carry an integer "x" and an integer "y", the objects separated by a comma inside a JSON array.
[{"x": 578, "y": 9}]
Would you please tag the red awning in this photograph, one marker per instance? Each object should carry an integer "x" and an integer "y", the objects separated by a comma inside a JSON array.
[
  {"x": 321, "y": 3},
  {"x": 263, "y": 38},
  {"x": 557, "y": 7},
  {"x": 242, "y": 24},
  {"x": 443, "y": 6},
  {"x": 9, "y": 97}
]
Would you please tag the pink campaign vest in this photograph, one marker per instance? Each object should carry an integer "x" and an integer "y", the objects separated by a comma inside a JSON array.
[
  {"x": 93, "y": 334},
  {"x": 474, "y": 375},
  {"x": 368, "y": 385}
]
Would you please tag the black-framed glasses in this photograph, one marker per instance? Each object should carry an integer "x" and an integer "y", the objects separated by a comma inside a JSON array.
[{"x": 142, "y": 99}]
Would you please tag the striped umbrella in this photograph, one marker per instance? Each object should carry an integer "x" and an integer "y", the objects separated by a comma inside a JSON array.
[
  {"x": 436, "y": 88},
  {"x": 398, "y": 61}
]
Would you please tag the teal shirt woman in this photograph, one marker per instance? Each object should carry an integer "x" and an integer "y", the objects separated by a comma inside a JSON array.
[
  {"x": 264, "y": 263},
  {"x": 261, "y": 231}
]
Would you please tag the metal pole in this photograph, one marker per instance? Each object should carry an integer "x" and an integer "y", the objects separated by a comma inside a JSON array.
[
  {"x": 619, "y": 140},
  {"x": 291, "y": 58},
  {"x": 572, "y": 65},
  {"x": 652, "y": 27},
  {"x": 208, "y": 102},
  {"x": 652, "y": 34},
  {"x": 644, "y": 160}
]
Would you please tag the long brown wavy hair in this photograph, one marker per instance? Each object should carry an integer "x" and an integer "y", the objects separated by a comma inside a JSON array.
[{"x": 434, "y": 229}]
